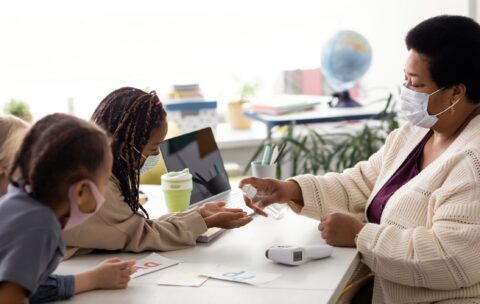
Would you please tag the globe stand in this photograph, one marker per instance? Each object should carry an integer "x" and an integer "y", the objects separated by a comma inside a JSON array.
[{"x": 343, "y": 100}]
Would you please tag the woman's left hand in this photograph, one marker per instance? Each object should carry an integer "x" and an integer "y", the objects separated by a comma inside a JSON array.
[{"x": 340, "y": 229}]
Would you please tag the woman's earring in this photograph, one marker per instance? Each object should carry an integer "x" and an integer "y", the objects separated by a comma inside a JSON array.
[{"x": 452, "y": 109}]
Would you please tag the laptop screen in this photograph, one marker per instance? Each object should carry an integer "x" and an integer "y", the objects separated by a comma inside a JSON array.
[{"x": 198, "y": 152}]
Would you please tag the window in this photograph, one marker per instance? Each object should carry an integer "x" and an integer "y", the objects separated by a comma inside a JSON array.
[{"x": 54, "y": 50}]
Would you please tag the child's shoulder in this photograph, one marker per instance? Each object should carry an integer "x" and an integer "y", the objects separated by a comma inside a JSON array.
[
  {"x": 19, "y": 212},
  {"x": 28, "y": 225}
]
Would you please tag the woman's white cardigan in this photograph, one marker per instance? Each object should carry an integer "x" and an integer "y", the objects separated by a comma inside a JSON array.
[{"x": 427, "y": 246}]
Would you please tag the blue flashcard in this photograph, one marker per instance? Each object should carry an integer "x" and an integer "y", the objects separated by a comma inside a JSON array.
[{"x": 240, "y": 275}]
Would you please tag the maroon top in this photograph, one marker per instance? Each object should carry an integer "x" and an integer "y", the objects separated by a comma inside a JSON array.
[{"x": 407, "y": 171}]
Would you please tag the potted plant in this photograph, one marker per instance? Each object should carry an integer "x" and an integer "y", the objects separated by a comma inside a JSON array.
[
  {"x": 236, "y": 118},
  {"x": 18, "y": 108},
  {"x": 310, "y": 151}
]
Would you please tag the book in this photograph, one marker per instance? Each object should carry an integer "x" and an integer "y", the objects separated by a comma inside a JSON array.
[
  {"x": 186, "y": 91},
  {"x": 285, "y": 104},
  {"x": 304, "y": 81}
]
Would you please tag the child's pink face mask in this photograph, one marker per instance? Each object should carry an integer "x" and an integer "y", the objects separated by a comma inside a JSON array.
[{"x": 76, "y": 216}]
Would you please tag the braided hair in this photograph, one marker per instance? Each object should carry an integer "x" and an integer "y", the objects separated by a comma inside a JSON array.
[
  {"x": 58, "y": 150},
  {"x": 129, "y": 115}
]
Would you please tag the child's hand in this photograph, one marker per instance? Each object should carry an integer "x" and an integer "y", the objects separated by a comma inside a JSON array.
[
  {"x": 228, "y": 220},
  {"x": 216, "y": 215},
  {"x": 112, "y": 274},
  {"x": 213, "y": 208}
]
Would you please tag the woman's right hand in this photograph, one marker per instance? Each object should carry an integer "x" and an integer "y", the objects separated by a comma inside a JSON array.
[{"x": 270, "y": 191}]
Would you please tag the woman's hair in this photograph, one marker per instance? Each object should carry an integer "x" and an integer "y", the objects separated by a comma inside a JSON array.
[
  {"x": 452, "y": 44},
  {"x": 58, "y": 151},
  {"x": 12, "y": 131},
  {"x": 129, "y": 115}
]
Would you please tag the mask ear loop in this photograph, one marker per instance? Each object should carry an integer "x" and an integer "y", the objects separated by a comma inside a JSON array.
[
  {"x": 450, "y": 107},
  {"x": 136, "y": 150}
]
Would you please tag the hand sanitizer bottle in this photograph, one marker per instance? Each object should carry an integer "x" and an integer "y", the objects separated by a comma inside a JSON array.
[{"x": 276, "y": 211}]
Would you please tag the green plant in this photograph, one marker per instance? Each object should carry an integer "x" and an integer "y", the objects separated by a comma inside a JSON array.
[
  {"x": 248, "y": 90},
  {"x": 316, "y": 153},
  {"x": 17, "y": 108}
]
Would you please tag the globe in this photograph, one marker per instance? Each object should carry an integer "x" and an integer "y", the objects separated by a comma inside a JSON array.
[{"x": 346, "y": 57}]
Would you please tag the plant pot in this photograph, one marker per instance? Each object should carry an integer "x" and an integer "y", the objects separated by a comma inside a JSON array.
[{"x": 236, "y": 118}]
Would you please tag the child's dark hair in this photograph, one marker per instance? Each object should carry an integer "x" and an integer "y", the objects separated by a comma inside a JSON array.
[
  {"x": 129, "y": 115},
  {"x": 58, "y": 151}
]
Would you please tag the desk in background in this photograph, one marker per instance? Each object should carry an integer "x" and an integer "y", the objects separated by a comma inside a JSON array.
[
  {"x": 322, "y": 113},
  {"x": 314, "y": 282}
]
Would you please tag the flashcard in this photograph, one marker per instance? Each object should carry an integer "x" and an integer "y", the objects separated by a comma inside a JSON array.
[
  {"x": 240, "y": 275},
  {"x": 151, "y": 263},
  {"x": 184, "y": 274}
]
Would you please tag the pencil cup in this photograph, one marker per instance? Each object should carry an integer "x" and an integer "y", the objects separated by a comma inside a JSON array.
[
  {"x": 265, "y": 171},
  {"x": 177, "y": 190},
  {"x": 275, "y": 211}
]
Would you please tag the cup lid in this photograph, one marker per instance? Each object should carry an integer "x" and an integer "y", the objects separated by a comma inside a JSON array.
[{"x": 178, "y": 176}]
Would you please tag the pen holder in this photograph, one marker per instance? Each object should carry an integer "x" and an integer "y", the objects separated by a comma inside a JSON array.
[{"x": 259, "y": 170}]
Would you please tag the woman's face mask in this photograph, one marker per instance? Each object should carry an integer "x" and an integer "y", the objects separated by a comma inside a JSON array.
[
  {"x": 414, "y": 107},
  {"x": 76, "y": 216}
]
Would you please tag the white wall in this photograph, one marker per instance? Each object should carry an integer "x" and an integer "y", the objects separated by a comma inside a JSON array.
[
  {"x": 474, "y": 9},
  {"x": 53, "y": 50}
]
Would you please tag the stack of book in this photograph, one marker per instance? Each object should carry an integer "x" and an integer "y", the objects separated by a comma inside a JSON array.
[
  {"x": 285, "y": 104},
  {"x": 188, "y": 109},
  {"x": 186, "y": 92}
]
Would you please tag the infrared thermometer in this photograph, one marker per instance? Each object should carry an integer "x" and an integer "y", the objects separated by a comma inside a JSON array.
[{"x": 294, "y": 255}]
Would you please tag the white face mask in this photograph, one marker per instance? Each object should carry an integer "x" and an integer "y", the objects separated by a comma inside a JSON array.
[
  {"x": 150, "y": 162},
  {"x": 414, "y": 108}
]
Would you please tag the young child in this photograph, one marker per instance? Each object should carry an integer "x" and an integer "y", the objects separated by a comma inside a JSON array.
[
  {"x": 59, "y": 185},
  {"x": 12, "y": 131},
  {"x": 137, "y": 124}
]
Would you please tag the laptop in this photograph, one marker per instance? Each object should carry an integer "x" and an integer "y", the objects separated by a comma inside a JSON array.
[{"x": 198, "y": 151}]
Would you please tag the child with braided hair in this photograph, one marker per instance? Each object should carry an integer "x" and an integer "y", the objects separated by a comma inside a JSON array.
[{"x": 136, "y": 122}]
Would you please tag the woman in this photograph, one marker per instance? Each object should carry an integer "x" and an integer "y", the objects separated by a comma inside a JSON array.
[
  {"x": 136, "y": 122},
  {"x": 420, "y": 193}
]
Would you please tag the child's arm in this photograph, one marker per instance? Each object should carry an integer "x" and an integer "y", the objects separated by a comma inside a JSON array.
[
  {"x": 110, "y": 274},
  {"x": 11, "y": 293},
  {"x": 55, "y": 288}
]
